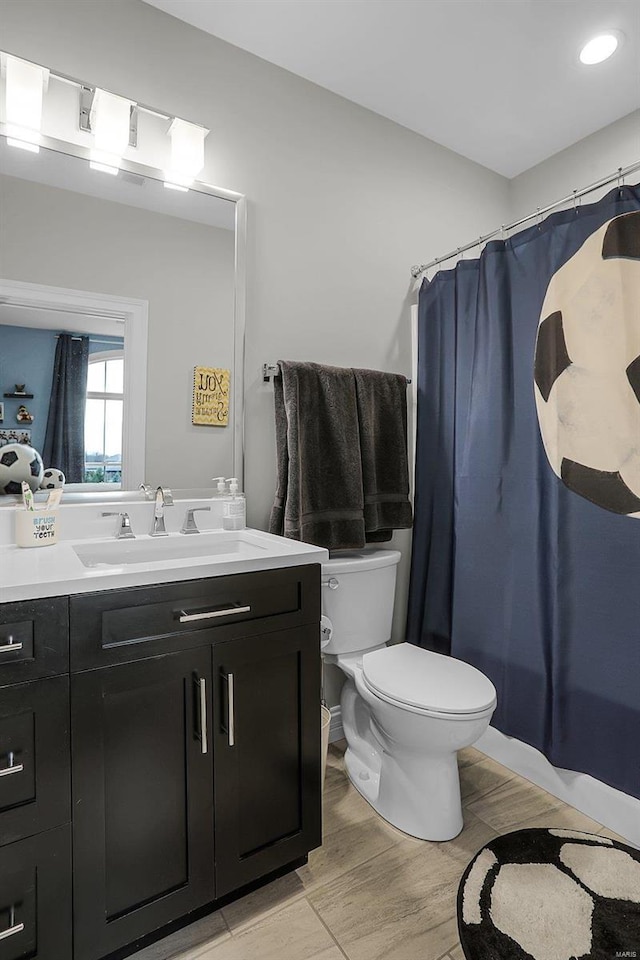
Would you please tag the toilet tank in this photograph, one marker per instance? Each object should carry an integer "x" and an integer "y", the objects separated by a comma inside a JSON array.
[{"x": 358, "y": 588}]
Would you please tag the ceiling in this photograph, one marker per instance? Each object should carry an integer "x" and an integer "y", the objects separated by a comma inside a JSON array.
[{"x": 498, "y": 81}]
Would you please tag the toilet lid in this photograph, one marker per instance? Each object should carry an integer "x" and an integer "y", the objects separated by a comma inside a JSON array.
[{"x": 430, "y": 681}]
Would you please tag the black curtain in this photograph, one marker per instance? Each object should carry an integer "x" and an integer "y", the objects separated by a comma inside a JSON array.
[{"x": 64, "y": 437}]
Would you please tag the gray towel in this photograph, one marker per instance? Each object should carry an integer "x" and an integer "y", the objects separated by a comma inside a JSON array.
[
  {"x": 319, "y": 497},
  {"x": 381, "y": 400}
]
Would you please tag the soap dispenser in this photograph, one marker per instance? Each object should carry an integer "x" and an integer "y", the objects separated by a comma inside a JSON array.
[
  {"x": 234, "y": 508},
  {"x": 221, "y": 485}
]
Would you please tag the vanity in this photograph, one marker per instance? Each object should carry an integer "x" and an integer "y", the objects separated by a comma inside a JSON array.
[
  {"x": 159, "y": 697},
  {"x": 159, "y": 729}
]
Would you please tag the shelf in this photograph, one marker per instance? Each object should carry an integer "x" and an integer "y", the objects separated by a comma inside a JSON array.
[{"x": 19, "y": 396}]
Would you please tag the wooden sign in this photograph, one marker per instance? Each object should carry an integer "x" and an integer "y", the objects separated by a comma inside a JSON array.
[{"x": 210, "y": 396}]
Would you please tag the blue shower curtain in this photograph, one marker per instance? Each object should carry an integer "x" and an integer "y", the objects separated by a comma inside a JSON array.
[{"x": 526, "y": 547}]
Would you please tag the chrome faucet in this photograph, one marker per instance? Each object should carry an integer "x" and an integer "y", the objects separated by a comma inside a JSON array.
[
  {"x": 189, "y": 523},
  {"x": 124, "y": 531},
  {"x": 164, "y": 498}
]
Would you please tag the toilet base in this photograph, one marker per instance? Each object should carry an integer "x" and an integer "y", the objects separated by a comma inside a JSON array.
[{"x": 422, "y": 801}]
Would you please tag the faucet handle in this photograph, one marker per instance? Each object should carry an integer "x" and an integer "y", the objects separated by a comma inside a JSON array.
[
  {"x": 147, "y": 489},
  {"x": 167, "y": 496},
  {"x": 189, "y": 524},
  {"x": 124, "y": 531}
]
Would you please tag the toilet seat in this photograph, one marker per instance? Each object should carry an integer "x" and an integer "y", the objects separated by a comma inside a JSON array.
[{"x": 422, "y": 681}]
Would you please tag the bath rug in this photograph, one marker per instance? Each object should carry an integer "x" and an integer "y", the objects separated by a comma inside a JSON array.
[{"x": 551, "y": 894}]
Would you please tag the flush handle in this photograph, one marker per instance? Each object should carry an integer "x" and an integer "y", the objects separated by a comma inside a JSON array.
[{"x": 333, "y": 583}]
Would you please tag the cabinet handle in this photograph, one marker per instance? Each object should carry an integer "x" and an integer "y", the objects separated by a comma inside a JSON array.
[
  {"x": 14, "y": 928},
  {"x": 10, "y": 645},
  {"x": 202, "y": 683},
  {"x": 231, "y": 718},
  {"x": 13, "y": 767},
  {"x": 211, "y": 614}
]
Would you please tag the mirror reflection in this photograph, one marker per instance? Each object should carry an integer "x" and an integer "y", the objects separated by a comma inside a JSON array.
[
  {"x": 133, "y": 285},
  {"x": 71, "y": 405}
]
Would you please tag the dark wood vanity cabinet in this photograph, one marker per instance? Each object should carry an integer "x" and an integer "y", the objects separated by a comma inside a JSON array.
[
  {"x": 35, "y": 794},
  {"x": 169, "y": 736},
  {"x": 143, "y": 816},
  {"x": 35, "y": 897},
  {"x": 266, "y": 722},
  {"x": 195, "y": 746}
]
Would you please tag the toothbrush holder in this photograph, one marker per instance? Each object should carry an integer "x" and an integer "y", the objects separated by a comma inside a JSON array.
[{"x": 36, "y": 528}]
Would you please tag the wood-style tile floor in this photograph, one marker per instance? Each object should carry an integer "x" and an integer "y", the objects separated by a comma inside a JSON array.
[{"x": 370, "y": 892}]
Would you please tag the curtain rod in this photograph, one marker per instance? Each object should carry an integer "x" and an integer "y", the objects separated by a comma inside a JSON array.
[
  {"x": 619, "y": 175},
  {"x": 111, "y": 343}
]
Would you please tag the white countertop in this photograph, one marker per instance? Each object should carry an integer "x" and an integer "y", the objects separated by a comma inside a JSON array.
[{"x": 57, "y": 570}]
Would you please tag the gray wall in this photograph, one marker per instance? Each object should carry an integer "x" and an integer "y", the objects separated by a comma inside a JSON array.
[
  {"x": 587, "y": 161},
  {"x": 184, "y": 269},
  {"x": 341, "y": 201}
]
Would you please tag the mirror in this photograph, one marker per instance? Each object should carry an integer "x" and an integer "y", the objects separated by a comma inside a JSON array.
[{"x": 149, "y": 275}]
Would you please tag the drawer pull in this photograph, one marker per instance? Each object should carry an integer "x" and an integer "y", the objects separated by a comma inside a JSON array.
[
  {"x": 231, "y": 713},
  {"x": 12, "y": 767},
  {"x": 14, "y": 928},
  {"x": 10, "y": 645},
  {"x": 210, "y": 614},
  {"x": 202, "y": 689}
]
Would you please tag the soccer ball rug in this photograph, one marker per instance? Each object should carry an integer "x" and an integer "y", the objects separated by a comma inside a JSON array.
[
  {"x": 52, "y": 478},
  {"x": 587, "y": 368},
  {"x": 551, "y": 894},
  {"x": 19, "y": 462}
]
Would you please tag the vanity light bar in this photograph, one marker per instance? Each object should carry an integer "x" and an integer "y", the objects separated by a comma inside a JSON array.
[
  {"x": 87, "y": 101},
  {"x": 101, "y": 114},
  {"x": 110, "y": 120},
  {"x": 187, "y": 152},
  {"x": 25, "y": 85}
]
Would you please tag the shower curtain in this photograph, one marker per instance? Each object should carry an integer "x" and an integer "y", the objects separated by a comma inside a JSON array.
[
  {"x": 64, "y": 436},
  {"x": 526, "y": 547}
]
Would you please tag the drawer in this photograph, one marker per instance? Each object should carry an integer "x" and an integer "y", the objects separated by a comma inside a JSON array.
[
  {"x": 34, "y": 639},
  {"x": 35, "y": 792},
  {"x": 35, "y": 897},
  {"x": 125, "y": 625}
]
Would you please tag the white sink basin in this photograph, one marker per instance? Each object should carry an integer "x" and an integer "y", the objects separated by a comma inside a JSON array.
[{"x": 216, "y": 546}]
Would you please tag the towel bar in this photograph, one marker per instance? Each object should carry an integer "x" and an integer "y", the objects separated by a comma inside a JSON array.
[{"x": 270, "y": 370}]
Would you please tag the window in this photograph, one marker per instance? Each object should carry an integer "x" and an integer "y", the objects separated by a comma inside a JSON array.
[{"x": 103, "y": 418}]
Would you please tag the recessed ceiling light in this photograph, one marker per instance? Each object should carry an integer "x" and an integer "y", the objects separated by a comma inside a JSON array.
[{"x": 600, "y": 48}]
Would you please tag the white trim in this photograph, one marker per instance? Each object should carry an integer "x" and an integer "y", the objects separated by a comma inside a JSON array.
[
  {"x": 612, "y": 808},
  {"x": 240, "y": 296},
  {"x": 134, "y": 315}
]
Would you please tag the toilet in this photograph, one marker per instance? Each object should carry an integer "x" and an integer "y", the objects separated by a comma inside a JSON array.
[{"x": 405, "y": 711}]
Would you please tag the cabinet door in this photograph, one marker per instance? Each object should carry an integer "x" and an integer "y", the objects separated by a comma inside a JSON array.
[
  {"x": 34, "y": 639},
  {"x": 35, "y": 897},
  {"x": 35, "y": 787},
  {"x": 142, "y": 791},
  {"x": 266, "y": 753}
]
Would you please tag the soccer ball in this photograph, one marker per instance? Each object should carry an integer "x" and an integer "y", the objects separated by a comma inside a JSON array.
[
  {"x": 587, "y": 368},
  {"x": 51, "y": 479},
  {"x": 19, "y": 462}
]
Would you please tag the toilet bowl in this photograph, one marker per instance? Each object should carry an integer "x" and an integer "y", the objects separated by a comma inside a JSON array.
[{"x": 405, "y": 711}]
